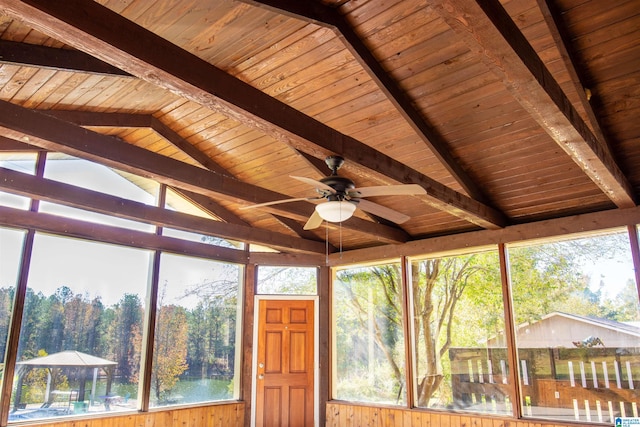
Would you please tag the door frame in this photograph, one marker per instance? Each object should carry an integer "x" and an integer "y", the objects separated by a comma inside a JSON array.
[{"x": 316, "y": 355}]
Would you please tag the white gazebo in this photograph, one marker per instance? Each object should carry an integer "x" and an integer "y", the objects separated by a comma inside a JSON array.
[{"x": 65, "y": 359}]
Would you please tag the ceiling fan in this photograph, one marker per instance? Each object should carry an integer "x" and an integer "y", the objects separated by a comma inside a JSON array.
[{"x": 342, "y": 197}]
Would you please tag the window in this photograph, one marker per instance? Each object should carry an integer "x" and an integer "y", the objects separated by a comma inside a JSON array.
[
  {"x": 19, "y": 162},
  {"x": 11, "y": 242},
  {"x": 84, "y": 310},
  {"x": 368, "y": 335},
  {"x": 578, "y": 340},
  {"x": 457, "y": 312},
  {"x": 99, "y": 178},
  {"x": 287, "y": 280},
  {"x": 195, "y": 356},
  {"x": 96, "y": 177}
]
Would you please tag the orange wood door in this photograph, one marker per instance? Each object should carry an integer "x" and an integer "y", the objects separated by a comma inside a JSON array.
[{"x": 285, "y": 372}]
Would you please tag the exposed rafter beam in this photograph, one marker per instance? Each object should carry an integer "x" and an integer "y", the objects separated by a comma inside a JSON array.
[
  {"x": 139, "y": 120},
  {"x": 53, "y": 134},
  {"x": 320, "y": 14},
  {"x": 89, "y": 118},
  {"x": 561, "y": 39},
  {"x": 88, "y": 26},
  {"x": 96, "y": 119},
  {"x": 297, "y": 228},
  {"x": 58, "y": 59},
  {"x": 69, "y": 227},
  {"x": 69, "y": 195},
  {"x": 546, "y": 229},
  {"x": 7, "y": 144},
  {"x": 491, "y": 33},
  {"x": 99, "y": 119},
  {"x": 170, "y": 135}
]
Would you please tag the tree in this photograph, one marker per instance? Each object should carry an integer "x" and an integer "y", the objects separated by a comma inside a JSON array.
[
  {"x": 170, "y": 350},
  {"x": 459, "y": 299},
  {"x": 212, "y": 322},
  {"x": 375, "y": 296},
  {"x": 6, "y": 307},
  {"x": 438, "y": 285},
  {"x": 127, "y": 330}
]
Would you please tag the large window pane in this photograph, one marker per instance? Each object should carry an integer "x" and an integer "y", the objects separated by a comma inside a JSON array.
[
  {"x": 11, "y": 242},
  {"x": 369, "y": 339},
  {"x": 92, "y": 176},
  {"x": 287, "y": 280},
  {"x": 96, "y": 177},
  {"x": 94, "y": 217},
  {"x": 197, "y": 328},
  {"x": 19, "y": 162},
  {"x": 460, "y": 360},
  {"x": 81, "y": 337},
  {"x": 576, "y": 311}
]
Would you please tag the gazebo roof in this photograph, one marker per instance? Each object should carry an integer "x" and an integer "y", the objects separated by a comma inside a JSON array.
[{"x": 67, "y": 358}]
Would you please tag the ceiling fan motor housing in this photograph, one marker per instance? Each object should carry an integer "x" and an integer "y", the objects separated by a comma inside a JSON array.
[{"x": 340, "y": 184}]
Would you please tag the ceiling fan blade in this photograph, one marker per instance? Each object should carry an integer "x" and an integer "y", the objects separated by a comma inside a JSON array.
[
  {"x": 383, "y": 211},
  {"x": 314, "y": 221},
  {"x": 390, "y": 190},
  {"x": 277, "y": 202},
  {"x": 314, "y": 183}
]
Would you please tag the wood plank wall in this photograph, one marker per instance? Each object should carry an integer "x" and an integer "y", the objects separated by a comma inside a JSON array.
[
  {"x": 345, "y": 415},
  {"x": 226, "y": 415}
]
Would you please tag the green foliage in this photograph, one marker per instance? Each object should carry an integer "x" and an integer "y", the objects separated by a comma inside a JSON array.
[
  {"x": 287, "y": 280},
  {"x": 369, "y": 332},
  {"x": 127, "y": 330},
  {"x": 170, "y": 349},
  {"x": 66, "y": 321},
  {"x": 458, "y": 301},
  {"x": 34, "y": 382}
]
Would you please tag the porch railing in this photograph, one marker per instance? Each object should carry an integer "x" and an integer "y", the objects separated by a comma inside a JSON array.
[{"x": 588, "y": 384}]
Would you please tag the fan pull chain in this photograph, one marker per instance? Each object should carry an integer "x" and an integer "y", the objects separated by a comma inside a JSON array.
[
  {"x": 340, "y": 239},
  {"x": 326, "y": 242}
]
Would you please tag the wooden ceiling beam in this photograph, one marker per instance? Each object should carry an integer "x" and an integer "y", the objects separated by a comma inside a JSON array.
[
  {"x": 551, "y": 229},
  {"x": 9, "y": 145},
  {"x": 100, "y": 119},
  {"x": 89, "y": 26},
  {"x": 90, "y": 118},
  {"x": 298, "y": 228},
  {"x": 561, "y": 38},
  {"x": 68, "y": 227},
  {"x": 57, "y": 192},
  {"x": 41, "y": 130},
  {"x": 57, "y": 59},
  {"x": 177, "y": 141},
  {"x": 140, "y": 120},
  {"x": 326, "y": 16},
  {"x": 491, "y": 34}
]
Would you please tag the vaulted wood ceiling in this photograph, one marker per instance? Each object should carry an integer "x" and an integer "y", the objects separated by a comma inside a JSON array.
[{"x": 506, "y": 113}]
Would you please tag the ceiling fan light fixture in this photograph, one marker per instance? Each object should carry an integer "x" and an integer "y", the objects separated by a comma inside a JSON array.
[{"x": 335, "y": 210}]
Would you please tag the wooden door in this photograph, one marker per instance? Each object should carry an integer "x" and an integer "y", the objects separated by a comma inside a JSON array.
[{"x": 285, "y": 371}]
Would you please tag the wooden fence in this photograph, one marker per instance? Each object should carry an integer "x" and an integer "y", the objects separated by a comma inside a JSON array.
[{"x": 581, "y": 384}]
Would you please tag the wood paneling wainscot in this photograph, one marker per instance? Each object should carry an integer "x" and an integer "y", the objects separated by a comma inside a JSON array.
[
  {"x": 345, "y": 415},
  {"x": 231, "y": 415}
]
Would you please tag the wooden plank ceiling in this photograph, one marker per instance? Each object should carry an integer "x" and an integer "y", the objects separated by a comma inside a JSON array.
[{"x": 505, "y": 113}]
